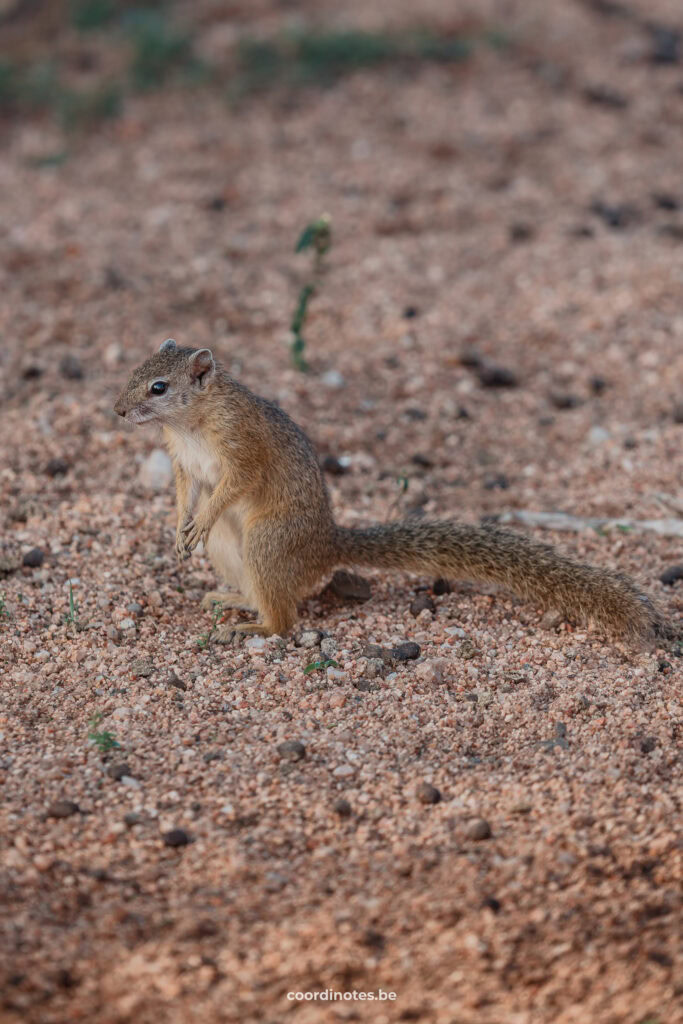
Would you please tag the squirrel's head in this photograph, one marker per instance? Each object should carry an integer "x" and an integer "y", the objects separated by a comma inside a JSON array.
[{"x": 166, "y": 383}]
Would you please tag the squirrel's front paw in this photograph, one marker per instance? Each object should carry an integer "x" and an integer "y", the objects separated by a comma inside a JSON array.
[
  {"x": 181, "y": 548},
  {"x": 195, "y": 531}
]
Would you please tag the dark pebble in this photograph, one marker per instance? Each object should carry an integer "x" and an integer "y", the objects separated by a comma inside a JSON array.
[
  {"x": 521, "y": 232},
  {"x": 413, "y": 413},
  {"x": 176, "y": 837},
  {"x": 32, "y": 372},
  {"x": 441, "y": 586},
  {"x": 666, "y": 44},
  {"x": 492, "y": 376},
  {"x": 422, "y": 460},
  {"x": 678, "y": 413},
  {"x": 117, "y": 770},
  {"x": 34, "y": 558},
  {"x": 132, "y": 818},
  {"x": 373, "y": 939},
  {"x": 615, "y": 215},
  {"x": 71, "y": 368},
  {"x": 673, "y": 231},
  {"x": 410, "y": 312},
  {"x": 479, "y": 829},
  {"x": 173, "y": 680},
  {"x": 471, "y": 358},
  {"x": 342, "y": 807},
  {"x": 603, "y": 96},
  {"x": 598, "y": 385},
  {"x": 57, "y": 467},
  {"x": 648, "y": 744},
  {"x": 665, "y": 201},
  {"x": 407, "y": 651},
  {"x": 62, "y": 809},
  {"x": 364, "y": 685},
  {"x": 428, "y": 794},
  {"x": 496, "y": 481},
  {"x": 564, "y": 400},
  {"x": 349, "y": 586},
  {"x": 216, "y": 204},
  {"x": 333, "y": 466},
  {"x": 670, "y": 575},
  {"x": 293, "y": 750},
  {"x": 421, "y": 602},
  {"x": 491, "y": 903}
]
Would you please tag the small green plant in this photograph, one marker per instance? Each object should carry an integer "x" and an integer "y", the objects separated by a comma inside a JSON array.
[
  {"x": 317, "y": 236},
  {"x": 318, "y": 666},
  {"x": 205, "y": 639},
  {"x": 71, "y": 617},
  {"x": 105, "y": 740},
  {"x": 4, "y": 613}
]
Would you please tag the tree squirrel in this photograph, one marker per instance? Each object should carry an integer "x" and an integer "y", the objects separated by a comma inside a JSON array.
[{"x": 249, "y": 487}]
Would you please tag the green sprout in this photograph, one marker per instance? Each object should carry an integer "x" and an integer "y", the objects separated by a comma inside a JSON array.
[
  {"x": 205, "y": 639},
  {"x": 105, "y": 740},
  {"x": 317, "y": 666},
  {"x": 317, "y": 236},
  {"x": 71, "y": 618}
]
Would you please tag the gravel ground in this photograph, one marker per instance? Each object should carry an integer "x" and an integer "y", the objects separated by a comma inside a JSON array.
[{"x": 491, "y": 831}]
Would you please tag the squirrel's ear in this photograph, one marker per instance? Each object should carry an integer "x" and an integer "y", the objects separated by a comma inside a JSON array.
[
  {"x": 168, "y": 346},
  {"x": 202, "y": 366}
]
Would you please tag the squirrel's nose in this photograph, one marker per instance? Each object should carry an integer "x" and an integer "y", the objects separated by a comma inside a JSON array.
[{"x": 120, "y": 409}]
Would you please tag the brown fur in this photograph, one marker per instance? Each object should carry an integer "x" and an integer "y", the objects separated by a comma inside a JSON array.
[{"x": 249, "y": 486}]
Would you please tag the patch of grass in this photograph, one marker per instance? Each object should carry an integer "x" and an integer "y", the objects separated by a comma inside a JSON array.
[
  {"x": 159, "y": 50},
  {"x": 318, "y": 236},
  {"x": 318, "y": 666},
  {"x": 322, "y": 58},
  {"x": 87, "y": 15},
  {"x": 38, "y": 89},
  {"x": 105, "y": 740}
]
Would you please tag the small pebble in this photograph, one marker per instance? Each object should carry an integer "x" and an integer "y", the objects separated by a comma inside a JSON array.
[
  {"x": 117, "y": 770},
  {"x": 62, "y": 809},
  {"x": 71, "y": 367},
  {"x": 406, "y": 651},
  {"x": 427, "y": 794},
  {"x": 328, "y": 647},
  {"x": 342, "y": 807},
  {"x": 492, "y": 376},
  {"x": 422, "y": 602},
  {"x": 670, "y": 575},
  {"x": 310, "y": 638},
  {"x": 176, "y": 837},
  {"x": 142, "y": 667},
  {"x": 34, "y": 558},
  {"x": 291, "y": 750},
  {"x": 57, "y": 467},
  {"x": 478, "y": 829}
]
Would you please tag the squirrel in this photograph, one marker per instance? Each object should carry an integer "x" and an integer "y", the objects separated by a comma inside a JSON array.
[{"x": 249, "y": 487}]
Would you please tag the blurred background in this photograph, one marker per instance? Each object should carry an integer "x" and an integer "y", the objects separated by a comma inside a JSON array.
[{"x": 447, "y": 237}]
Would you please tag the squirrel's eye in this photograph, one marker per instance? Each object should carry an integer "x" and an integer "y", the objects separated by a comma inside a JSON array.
[{"x": 158, "y": 387}]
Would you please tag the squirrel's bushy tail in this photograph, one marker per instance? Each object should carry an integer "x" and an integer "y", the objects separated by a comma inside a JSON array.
[{"x": 531, "y": 570}]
